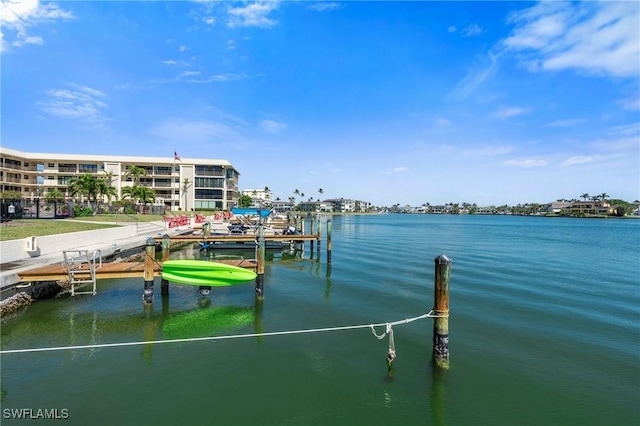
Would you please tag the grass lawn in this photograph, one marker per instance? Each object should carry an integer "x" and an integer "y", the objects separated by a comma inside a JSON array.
[
  {"x": 121, "y": 218},
  {"x": 22, "y": 228}
]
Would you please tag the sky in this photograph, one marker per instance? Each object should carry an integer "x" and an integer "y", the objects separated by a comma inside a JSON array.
[{"x": 387, "y": 102}]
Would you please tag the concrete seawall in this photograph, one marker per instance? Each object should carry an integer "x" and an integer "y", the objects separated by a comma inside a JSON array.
[{"x": 14, "y": 250}]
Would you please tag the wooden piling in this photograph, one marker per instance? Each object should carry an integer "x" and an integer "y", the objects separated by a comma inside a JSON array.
[
  {"x": 260, "y": 250},
  {"x": 206, "y": 230},
  {"x": 441, "y": 309},
  {"x": 149, "y": 259},
  {"x": 329, "y": 225},
  {"x": 166, "y": 250}
]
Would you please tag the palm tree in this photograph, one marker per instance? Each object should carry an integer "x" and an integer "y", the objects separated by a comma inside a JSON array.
[
  {"x": 585, "y": 196},
  {"x": 106, "y": 190},
  {"x": 54, "y": 196},
  {"x": 135, "y": 172},
  {"x": 320, "y": 191},
  {"x": 108, "y": 176},
  {"x": 185, "y": 185},
  {"x": 84, "y": 185},
  {"x": 604, "y": 196},
  {"x": 139, "y": 193}
]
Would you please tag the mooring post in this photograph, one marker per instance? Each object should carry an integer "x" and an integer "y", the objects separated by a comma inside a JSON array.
[
  {"x": 319, "y": 232},
  {"x": 149, "y": 260},
  {"x": 260, "y": 260},
  {"x": 311, "y": 230},
  {"x": 166, "y": 246},
  {"x": 206, "y": 230},
  {"x": 329, "y": 241},
  {"x": 441, "y": 309}
]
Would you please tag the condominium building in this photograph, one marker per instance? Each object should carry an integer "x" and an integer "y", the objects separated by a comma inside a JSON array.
[
  {"x": 185, "y": 183},
  {"x": 259, "y": 197}
]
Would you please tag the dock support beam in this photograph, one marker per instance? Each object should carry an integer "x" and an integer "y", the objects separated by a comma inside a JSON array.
[
  {"x": 149, "y": 260},
  {"x": 441, "y": 309},
  {"x": 329, "y": 241},
  {"x": 260, "y": 249},
  {"x": 166, "y": 250}
]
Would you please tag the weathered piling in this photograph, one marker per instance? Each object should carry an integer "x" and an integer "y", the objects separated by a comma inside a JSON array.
[
  {"x": 329, "y": 225},
  {"x": 312, "y": 228},
  {"x": 206, "y": 230},
  {"x": 260, "y": 250},
  {"x": 441, "y": 310},
  {"x": 319, "y": 232},
  {"x": 149, "y": 259},
  {"x": 166, "y": 251}
]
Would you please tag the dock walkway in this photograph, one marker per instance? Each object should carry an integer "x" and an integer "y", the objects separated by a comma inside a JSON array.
[{"x": 111, "y": 270}]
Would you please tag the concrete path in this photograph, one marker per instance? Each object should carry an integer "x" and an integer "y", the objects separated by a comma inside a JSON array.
[{"x": 15, "y": 258}]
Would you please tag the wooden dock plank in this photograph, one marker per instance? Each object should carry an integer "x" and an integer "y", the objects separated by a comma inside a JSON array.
[
  {"x": 238, "y": 238},
  {"x": 111, "y": 270}
]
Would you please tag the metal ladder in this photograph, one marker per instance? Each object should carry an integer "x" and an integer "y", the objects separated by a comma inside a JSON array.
[{"x": 81, "y": 268}]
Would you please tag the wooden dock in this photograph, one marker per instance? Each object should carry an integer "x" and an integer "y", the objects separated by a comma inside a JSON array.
[
  {"x": 237, "y": 238},
  {"x": 111, "y": 270}
]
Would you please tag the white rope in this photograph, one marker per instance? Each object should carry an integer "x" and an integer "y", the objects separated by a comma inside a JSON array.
[{"x": 236, "y": 336}]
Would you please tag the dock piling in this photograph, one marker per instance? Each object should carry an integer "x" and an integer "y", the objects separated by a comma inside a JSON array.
[
  {"x": 441, "y": 309},
  {"x": 149, "y": 259},
  {"x": 260, "y": 250},
  {"x": 329, "y": 225},
  {"x": 166, "y": 245}
]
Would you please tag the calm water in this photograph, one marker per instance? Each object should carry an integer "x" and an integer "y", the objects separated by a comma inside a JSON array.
[{"x": 544, "y": 330}]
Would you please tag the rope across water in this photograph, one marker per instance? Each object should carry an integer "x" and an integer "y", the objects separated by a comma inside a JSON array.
[{"x": 430, "y": 314}]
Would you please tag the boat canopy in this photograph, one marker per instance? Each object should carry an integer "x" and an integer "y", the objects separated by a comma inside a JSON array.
[{"x": 257, "y": 212}]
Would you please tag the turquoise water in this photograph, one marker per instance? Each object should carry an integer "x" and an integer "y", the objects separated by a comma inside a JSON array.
[{"x": 544, "y": 330}]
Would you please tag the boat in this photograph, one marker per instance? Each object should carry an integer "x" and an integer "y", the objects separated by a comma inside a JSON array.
[{"x": 205, "y": 273}]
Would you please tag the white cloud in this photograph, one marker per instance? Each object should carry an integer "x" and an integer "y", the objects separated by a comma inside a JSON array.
[
  {"x": 195, "y": 131},
  {"x": 326, "y": 6},
  {"x": 600, "y": 38},
  {"x": 631, "y": 103},
  {"x": 442, "y": 122},
  {"x": 452, "y": 29},
  {"x": 472, "y": 30},
  {"x": 570, "y": 122},
  {"x": 397, "y": 169},
  {"x": 271, "y": 126},
  {"x": 577, "y": 159},
  {"x": 475, "y": 77},
  {"x": 527, "y": 163},
  {"x": 83, "y": 103},
  {"x": 509, "y": 112},
  {"x": 17, "y": 16},
  {"x": 252, "y": 15}
]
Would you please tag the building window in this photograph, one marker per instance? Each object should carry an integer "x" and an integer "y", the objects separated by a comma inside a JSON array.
[
  {"x": 208, "y": 194},
  {"x": 88, "y": 168},
  {"x": 203, "y": 182},
  {"x": 51, "y": 165},
  {"x": 67, "y": 168},
  {"x": 209, "y": 171}
]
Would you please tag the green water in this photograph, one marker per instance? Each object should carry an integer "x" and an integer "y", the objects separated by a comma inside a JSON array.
[{"x": 543, "y": 331}]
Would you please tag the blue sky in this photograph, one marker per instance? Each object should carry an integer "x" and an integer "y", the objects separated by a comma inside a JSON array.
[{"x": 388, "y": 102}]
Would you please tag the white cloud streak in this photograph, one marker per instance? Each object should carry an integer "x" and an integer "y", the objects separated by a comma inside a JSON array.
[
  {"x": 82, "y": 103},
  {"x": 252, "y": 15},
  {"x": 17, "y": 16},
  {"x": 599, "y": 38},
  {"x": 527, "y": 163},
  {"x": 271, "y": 126}
]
